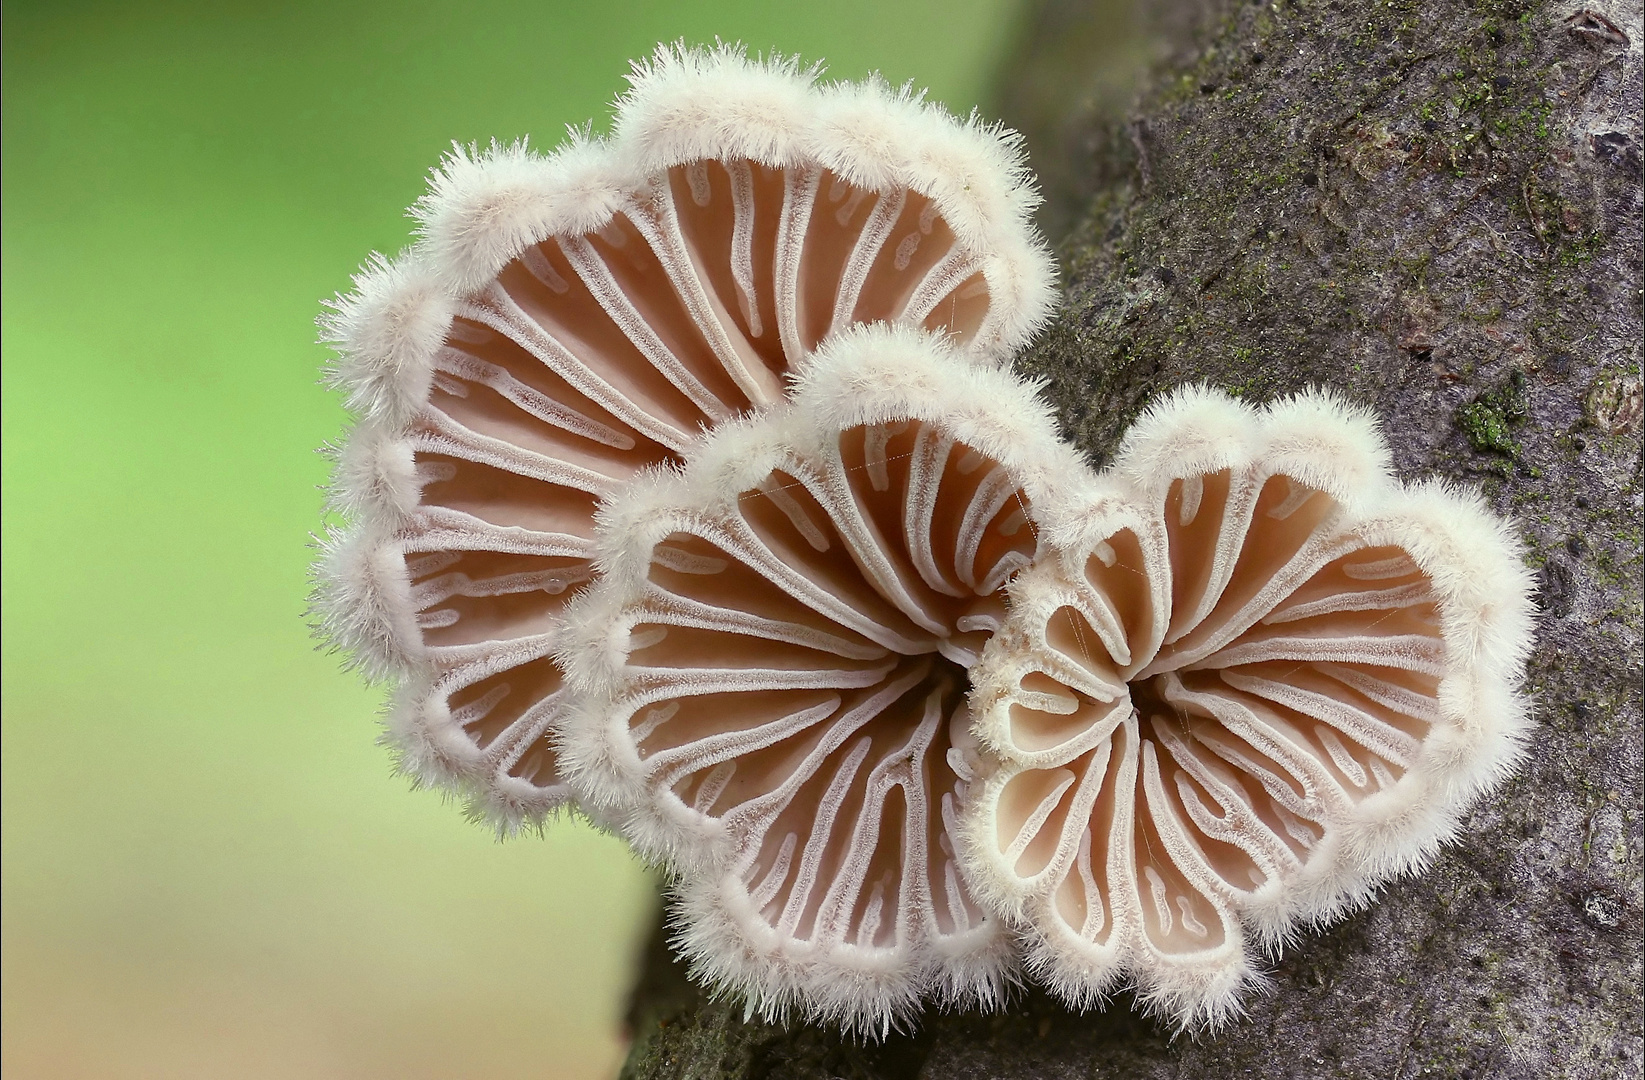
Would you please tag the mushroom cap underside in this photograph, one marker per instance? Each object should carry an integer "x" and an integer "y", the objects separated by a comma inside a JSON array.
[
  {"x": 568, "y": 321},
  {"x": 1239, "y": 701},
  {"x": 771, "y": 676}
]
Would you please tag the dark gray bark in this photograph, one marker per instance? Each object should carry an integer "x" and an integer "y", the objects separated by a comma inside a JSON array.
[{"x": 1436, "y": 209}]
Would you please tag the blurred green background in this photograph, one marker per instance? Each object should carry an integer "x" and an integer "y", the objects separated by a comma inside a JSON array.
[{"x": 208, "y": 869}]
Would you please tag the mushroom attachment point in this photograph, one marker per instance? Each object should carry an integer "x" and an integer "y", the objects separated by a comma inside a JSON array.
[
  {"x": 566, "y": 321},
  {"x": 772, "y": 676},
  {"x": 1258, "y": 678}
]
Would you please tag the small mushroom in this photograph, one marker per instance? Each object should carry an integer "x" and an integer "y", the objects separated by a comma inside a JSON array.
[
  {"x": 567, "y": 321},
  {"x": 771, "y": 675},
  {"x": 1258, "y": 678}
]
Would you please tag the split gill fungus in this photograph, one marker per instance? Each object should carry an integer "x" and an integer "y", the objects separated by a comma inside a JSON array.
[
  {"x": 772, "y": 675},
  {"x": 568, "y": 321},
  {"x": 1258, "y": 678},
  {"x": 689, "y": 487}
]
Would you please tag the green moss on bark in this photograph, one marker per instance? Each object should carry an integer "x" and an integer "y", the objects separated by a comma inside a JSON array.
[{"x": 1490, "y": 418}]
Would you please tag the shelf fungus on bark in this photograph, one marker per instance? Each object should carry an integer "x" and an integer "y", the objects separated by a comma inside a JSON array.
[
  {"x": 1258, "y": 677},
  {"x": 771, "y": 675},
  {"x": 566, "y": 321}
]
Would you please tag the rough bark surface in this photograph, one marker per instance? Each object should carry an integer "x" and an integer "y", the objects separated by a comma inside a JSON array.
[{"x": 1436, "y": 209}]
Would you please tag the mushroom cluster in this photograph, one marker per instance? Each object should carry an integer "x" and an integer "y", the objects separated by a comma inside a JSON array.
[{"x": 688, "y": 488}]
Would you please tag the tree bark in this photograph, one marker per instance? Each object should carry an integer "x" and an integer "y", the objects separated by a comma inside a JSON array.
[{"x": 1434, "y": 208}]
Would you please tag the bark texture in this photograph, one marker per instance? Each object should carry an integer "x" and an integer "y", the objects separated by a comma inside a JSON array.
[{"x": 1436, "y": 209}]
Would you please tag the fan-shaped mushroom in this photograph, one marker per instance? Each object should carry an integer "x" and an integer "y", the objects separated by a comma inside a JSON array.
[
  {"x": 771, "y": 674},
  {"x": 1259, "y": 678},
  {"x": 567, "y": 321}
]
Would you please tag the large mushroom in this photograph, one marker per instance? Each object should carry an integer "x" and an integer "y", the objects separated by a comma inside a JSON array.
[
  {"x": 1257, "y": 678},
  {"x": 771, "y": 675},
  {"x": 566, "y": 321}
]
